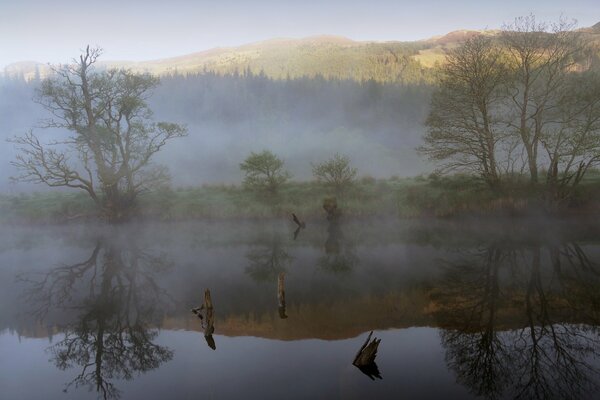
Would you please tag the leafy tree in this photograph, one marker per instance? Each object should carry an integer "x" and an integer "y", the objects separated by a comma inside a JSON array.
[
  {"x": 111, "y": 135},
  {"x": 335, "y": 172},
  {"x": 264, "y": 172}
]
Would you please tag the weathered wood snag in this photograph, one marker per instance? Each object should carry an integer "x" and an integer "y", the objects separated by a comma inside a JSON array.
[
  {"x": 281, "y": 295},
  {"x": 365, "y": 358},
  {"x": 331, "y": 208},
  {"x": 208, "y": 306},
  {"x": 301, "y": 224},
  {"x": 208, "y": 314}
]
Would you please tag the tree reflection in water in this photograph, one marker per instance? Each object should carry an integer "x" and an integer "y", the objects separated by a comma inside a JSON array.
[
  {"x": 521, "y": 320},
  {"x": 115, "y": 304},
  {"x": 266, "y": 262},
  {"x": 339, "y": 257}
]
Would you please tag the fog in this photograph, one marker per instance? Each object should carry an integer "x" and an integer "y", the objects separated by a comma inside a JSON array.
[{"x": 301, "y": 120}]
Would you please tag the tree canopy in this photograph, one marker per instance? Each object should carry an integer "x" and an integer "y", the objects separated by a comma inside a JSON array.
[
  {"x": 264, "y": 171},
  {"x": 111, "y": 140},
  {"x": 335, "y": 172}
]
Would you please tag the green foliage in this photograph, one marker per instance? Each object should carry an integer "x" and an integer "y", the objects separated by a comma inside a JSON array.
[
  {"x": 335, "y": 172},
  {"x": 435, "y": 195},
  {"x": 264, "y": 172}
]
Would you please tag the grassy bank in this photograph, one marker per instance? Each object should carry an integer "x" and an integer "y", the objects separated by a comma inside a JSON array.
[{"x": 430, "y": 196}]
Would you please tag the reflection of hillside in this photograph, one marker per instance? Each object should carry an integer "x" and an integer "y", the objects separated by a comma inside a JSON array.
[{"x": 335, "y": 320}]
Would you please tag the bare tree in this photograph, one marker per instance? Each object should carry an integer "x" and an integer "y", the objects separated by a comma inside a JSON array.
[
  {"x": 572, "y": 141},
  {"x": 528, "y": 99},
  {"x": 540, "y": 57},
  {"x": 464, "y": 125},
  {"x": 112, "y": 135}
]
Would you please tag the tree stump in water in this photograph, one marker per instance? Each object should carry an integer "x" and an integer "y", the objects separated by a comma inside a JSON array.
[
  {"x": 208, "y": 306},
  {"x": 331, "y": 208},
  {"x": 281, "y": 295},
  {"x": 209, "y": 328},
  {"x": 301, "y": 225},
  {"x": 365, "y": 358}
]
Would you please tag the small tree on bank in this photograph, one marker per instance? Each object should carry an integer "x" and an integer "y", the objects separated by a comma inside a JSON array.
[
  {"x": 335, "y": 172},
  {"x": 264, "y": 172},
  {"x": 112, "y": 137}
]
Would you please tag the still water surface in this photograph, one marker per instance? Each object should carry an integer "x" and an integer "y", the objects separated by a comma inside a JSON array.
[{"x": 469, "y": 309}]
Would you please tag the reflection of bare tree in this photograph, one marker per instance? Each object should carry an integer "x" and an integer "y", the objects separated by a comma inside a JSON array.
[
  {"x": 553, "y": 360},
  {"x": 489, "y": 292},
  {"x": 339, "y": 257},
  {"x": 267, "y": 262},
  {"x": 469, "y": 301},
  {"x": 116, "y": 303}
]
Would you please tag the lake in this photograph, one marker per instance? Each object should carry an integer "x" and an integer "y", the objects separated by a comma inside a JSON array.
[{"x": 463, "y": 308}]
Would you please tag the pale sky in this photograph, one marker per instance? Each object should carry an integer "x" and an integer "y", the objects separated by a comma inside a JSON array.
[{"x": 55, "y": 30}]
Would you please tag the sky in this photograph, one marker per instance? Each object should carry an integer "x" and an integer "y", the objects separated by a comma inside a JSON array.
[{"x": 54, "y": 31}]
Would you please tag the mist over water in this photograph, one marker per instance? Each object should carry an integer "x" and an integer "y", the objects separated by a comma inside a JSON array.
[
  {"x": 440, "y": 295},
  {"x": 303, "y": 121},
  {"x": 233, "y": 274}
]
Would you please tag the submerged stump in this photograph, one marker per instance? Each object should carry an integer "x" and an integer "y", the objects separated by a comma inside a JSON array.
[
  {"x": 365, "y": 358},
  {"x": 301, "y": 225},
  {"x": 206, "y": 314},
  {"x": 331, "y": 208},
  {"x": 281, "y": 295}
]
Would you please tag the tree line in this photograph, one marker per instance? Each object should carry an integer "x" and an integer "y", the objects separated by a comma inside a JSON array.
[{"x": 524, "y": 102}]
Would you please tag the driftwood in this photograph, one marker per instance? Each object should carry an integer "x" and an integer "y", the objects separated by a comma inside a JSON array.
[
  {"x": 365, "y": 358},
  {"x": 301, "y": 225},
  {"x": 208, "y": 318},
  {"x": 281, "y": 295}
]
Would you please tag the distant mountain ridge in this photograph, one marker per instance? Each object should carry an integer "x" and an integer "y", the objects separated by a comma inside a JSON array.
[{"x": 328, "y": 56}]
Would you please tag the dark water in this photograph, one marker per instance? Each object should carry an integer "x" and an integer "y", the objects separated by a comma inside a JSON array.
[{"x": 469, "y": 309}]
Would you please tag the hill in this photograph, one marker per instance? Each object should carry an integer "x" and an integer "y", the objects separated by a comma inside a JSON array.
[{"x": 331, "y": 57}]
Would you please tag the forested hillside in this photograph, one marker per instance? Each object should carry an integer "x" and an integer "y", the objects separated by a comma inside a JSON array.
[{"x": 303, "y": 120}]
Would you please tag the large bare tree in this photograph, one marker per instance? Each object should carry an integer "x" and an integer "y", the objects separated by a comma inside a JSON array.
[
  {"x": 525, "y": 100},
  {"x": 464, "y": 122},
  {"x": 540, "y": 57},
  {"x": 572, "y": 139},
  {"x": 112, "y": 136}
]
